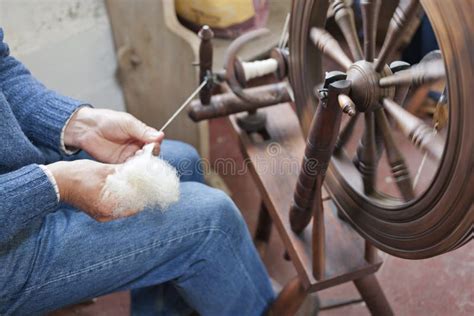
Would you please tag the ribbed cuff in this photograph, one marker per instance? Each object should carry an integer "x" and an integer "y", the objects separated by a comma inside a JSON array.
[
  {"x": 28, "y": 191},
  {"x": 52, "y": 180},
  {"x": 52, "y": 117}
]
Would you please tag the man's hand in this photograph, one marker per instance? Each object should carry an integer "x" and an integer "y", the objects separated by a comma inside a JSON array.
[
  {"x": 80, "y": 184},
  {"x": 109, "y": 136}
]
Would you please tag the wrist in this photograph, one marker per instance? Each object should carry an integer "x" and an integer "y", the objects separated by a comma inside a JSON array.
[
  {"x": 77, "y": 127},
  {"x": 61, "y": 174}
]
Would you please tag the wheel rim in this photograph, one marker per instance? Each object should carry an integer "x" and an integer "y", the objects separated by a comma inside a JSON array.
[{"x": 440, "y": 218}]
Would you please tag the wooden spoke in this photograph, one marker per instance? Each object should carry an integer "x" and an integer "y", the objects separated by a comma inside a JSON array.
[
  {"x": 366, "y": 159},
  {"x": 419, "y": 74},
  {"x": 416, "y": 130},
  {"x": 284, "y": 33},
  {"x": 401, "y": 91},
  {"x": 344, "y": 16},
  {"x": 378, "y": 142},
  {"x": 399, "y": 23},
  {"x": 370, "y": 11},
  {"x": 329, "y": 47},
  {"x": 346, "y": 132},
  {"x": 398, "y": 167}
]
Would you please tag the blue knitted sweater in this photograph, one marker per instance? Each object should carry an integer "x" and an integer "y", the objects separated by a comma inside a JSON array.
[{"x": 31, "y": 120}]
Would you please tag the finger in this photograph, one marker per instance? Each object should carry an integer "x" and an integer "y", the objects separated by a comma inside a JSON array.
[
  {"x": 153, "y": 136},
  {"x": 143, "y": 133},
  {"x": 128, "y": 152},
  {"x": 161, "y": 137},
  {"x": 128, "y": 213},
  {"x": 103, "y": 219},
  {"x": 156, "y": 149}
]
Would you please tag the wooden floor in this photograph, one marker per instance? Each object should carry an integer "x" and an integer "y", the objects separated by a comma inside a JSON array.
[{"x": 439, "y": 286}]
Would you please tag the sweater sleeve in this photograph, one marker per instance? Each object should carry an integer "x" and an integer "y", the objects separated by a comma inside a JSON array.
[
  {"x": 25, "y": 194},
  {"x": 42, "y": 113}
]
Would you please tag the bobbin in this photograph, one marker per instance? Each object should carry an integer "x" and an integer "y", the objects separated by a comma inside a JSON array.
[{"x": 238, "y": 72}]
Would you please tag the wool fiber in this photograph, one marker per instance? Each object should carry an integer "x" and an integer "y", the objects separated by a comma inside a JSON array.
[{"x": 142, "y": 182}]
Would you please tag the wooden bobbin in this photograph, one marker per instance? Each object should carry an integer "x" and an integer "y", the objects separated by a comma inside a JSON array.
[{"x": 276, "y": 64}]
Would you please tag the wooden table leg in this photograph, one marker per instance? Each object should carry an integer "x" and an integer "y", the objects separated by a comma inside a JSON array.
[
  {"x": 289, "y": 300},
  {"x": 370, "y": 253},
  {"x": 370, "y": 290},
  {"x": 264, "y": 230}
]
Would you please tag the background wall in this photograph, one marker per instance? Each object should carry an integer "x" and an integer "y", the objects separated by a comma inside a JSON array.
[{"x": 67, "y": 44}]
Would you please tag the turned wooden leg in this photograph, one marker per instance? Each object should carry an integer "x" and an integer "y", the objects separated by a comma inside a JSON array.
[
  {"x": 319, "y": 232},
  {"x": 289, "y": 300},
  {"x": 371, "y": 255},
  {"x": 318, "y": 151},
  {"x": 264, "y": 230},
  {"x": 371, "y": 292}
]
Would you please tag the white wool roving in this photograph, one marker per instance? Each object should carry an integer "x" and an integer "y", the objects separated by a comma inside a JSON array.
[{"x": 141, "y": 182}]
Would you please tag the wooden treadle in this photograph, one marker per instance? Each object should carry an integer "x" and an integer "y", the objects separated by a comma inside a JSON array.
[{"x": 275, "y": 163}]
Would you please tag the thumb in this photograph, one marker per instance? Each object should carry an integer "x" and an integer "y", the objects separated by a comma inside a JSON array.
[{"x": 143, "y": 133}]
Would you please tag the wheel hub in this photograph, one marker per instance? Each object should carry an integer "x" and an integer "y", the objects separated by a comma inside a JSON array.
[{"x": 365, "y": 90}]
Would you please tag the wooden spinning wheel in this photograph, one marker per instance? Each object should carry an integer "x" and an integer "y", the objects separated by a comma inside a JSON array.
[
  {"x": 416, "y": 224},
  {"x": 346, "y": 154}
]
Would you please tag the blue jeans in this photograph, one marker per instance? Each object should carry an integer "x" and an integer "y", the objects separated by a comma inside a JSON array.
[{"x": 198, "y": 255}]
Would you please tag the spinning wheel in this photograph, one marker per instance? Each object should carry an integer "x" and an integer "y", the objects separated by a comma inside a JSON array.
[
  {"x": 417, "y": 223},
  {"x": 408, "y": 218}
]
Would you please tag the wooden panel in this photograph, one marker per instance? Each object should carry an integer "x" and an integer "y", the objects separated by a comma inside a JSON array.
[
  {"x": 285, "y": 145},
  {"x": 155, "y": 64}
]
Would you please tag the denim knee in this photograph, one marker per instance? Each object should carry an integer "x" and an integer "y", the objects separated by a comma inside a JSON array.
[
  {"x": 217, "y": 209},
  {"x": 185, "y": 159},
  {"x": 191, "y": 165}
]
